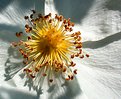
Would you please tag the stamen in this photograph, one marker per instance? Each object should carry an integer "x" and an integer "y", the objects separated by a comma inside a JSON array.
[{"x": 50, "y": 46}]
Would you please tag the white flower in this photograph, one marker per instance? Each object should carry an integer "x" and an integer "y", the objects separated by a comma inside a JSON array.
[{"x": 99, "y": 77}]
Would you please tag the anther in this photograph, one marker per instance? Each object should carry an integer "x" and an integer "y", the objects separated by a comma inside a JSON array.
[
  {"x": 70, "y": 29},
  {"x": 32, "y": 76},
  {"x": 75, "y": 71},
  {"x": 33, "y": 11},
  {"x": 51, "y": 80},
  {"x": 64, "y": 69},
  {"x": 44, "y": 74},
  {"x": 26, "y": 17},
  {"x": 82, "y": 56},
  {"x": 26, "y": 26},
  {"x": 61, "y": 18},
  {"x": 72, "y": 77},
  {"x": 77, "y": 54},
  {"x": 31, "y": 16},
  {"x": 50, "y": 21},
  {"x": 64, "y": 21},
  {"x": 80, "y": 51},
  {"x": 87, "y": 55},
  {"x": 78, "y": 46},
  {"x": 19, "y": 34},
  {"x": 29, "y": 38},
  {"x": 40, "y": 16},
  {"x": 72, "y": 56}
]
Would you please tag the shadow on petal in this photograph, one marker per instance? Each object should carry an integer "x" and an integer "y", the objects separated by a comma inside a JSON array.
[
  {"x": 113, "y": 5},
  {"x": 8, "y": 93},
  {"x": 76, "y": 10},
  {"x": 102, "y": 42},
  {"x": 7, "y": 32},
  {"x": 13, "y": 64},
  {"x": 4, "y": 4},
  {"x": 67, "y": 90}
]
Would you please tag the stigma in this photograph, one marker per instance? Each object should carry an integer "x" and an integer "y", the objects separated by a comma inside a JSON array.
[{"x": 48, "y": 47}]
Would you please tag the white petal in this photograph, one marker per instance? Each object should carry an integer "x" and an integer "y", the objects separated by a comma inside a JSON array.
[
  {"x": 8, "y": 92},
  {"x": 50, "y": 7},
  {"x": 15, "y": 11}
]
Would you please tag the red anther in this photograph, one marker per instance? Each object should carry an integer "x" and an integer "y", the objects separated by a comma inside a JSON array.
[
  {"x": 69, "y": 23},
  {"x": 66, "y": 26},
  {"x": 25, "y": 70},
  {"x": 21, "y": 51},
  {"x": 40, "y": 16},
  {"x": 51, "y": 80},
  {"x": 82, "y": 56},
  {"x": 61, "y": 17},
  {"x": 70, "y": 29},
  {"x": 27, "y": 30},
  {"x": 71, "y": 63},
  {"x": 29, "y": 38},
  {"x": 31, "y": 16},
  {"x": 77, "y": 54},
  {"x": 44, "y": 74},
  {"x": 33, "y": 11},
  {"x": 80, "y": 51},
  {"x": 29, "y": 70},
  {"x": 32, "y": 76},
  {"x": 25, "y": 56},
  {"x": 72, "y": 77},
  {"x": 87, "y": 55},
  {"x": 75, "y": 71},
  {"x": 56, "y": 16},
  {"x": 69, "y": 76},
  {"x": 26, "y": 17},
  {"x": 17, "y": 34},
  {"x": 26, "y": 26},
  {"x": 50, "y": 21},
  {"x": 64, "y": 69},
  {"x": 36, "y": 69},
  {"x": 75, "y": 42},
  {"x": 74, "y": 64},
  {"x": 46, "y": 17},
  {"x": 72, "y": 56},
  {"x": 79, "y": 46},
  {"x": 49, "y": 14},
  {"x": 78, "y": 33},
  {"x": 64, "y": 21},
  {"x": 72, "y": 24},
  {"x": 79, "y": 38},
  {"x": 72, "y": 35}
]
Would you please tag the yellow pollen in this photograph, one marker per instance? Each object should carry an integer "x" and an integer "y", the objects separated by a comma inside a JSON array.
[{"x": 50, "y": 47}]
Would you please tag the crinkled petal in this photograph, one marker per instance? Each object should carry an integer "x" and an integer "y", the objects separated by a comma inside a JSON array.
[{"x": 14, "y": 12}]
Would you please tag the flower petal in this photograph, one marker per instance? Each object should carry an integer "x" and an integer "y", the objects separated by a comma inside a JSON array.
[{"x": 15, "y": 11}]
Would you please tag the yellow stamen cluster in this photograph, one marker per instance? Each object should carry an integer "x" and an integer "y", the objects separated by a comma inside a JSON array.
[{"x": 49, "y": 47}]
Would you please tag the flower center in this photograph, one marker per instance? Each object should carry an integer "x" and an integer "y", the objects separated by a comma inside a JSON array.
[{"x": 50, "y": 46}]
